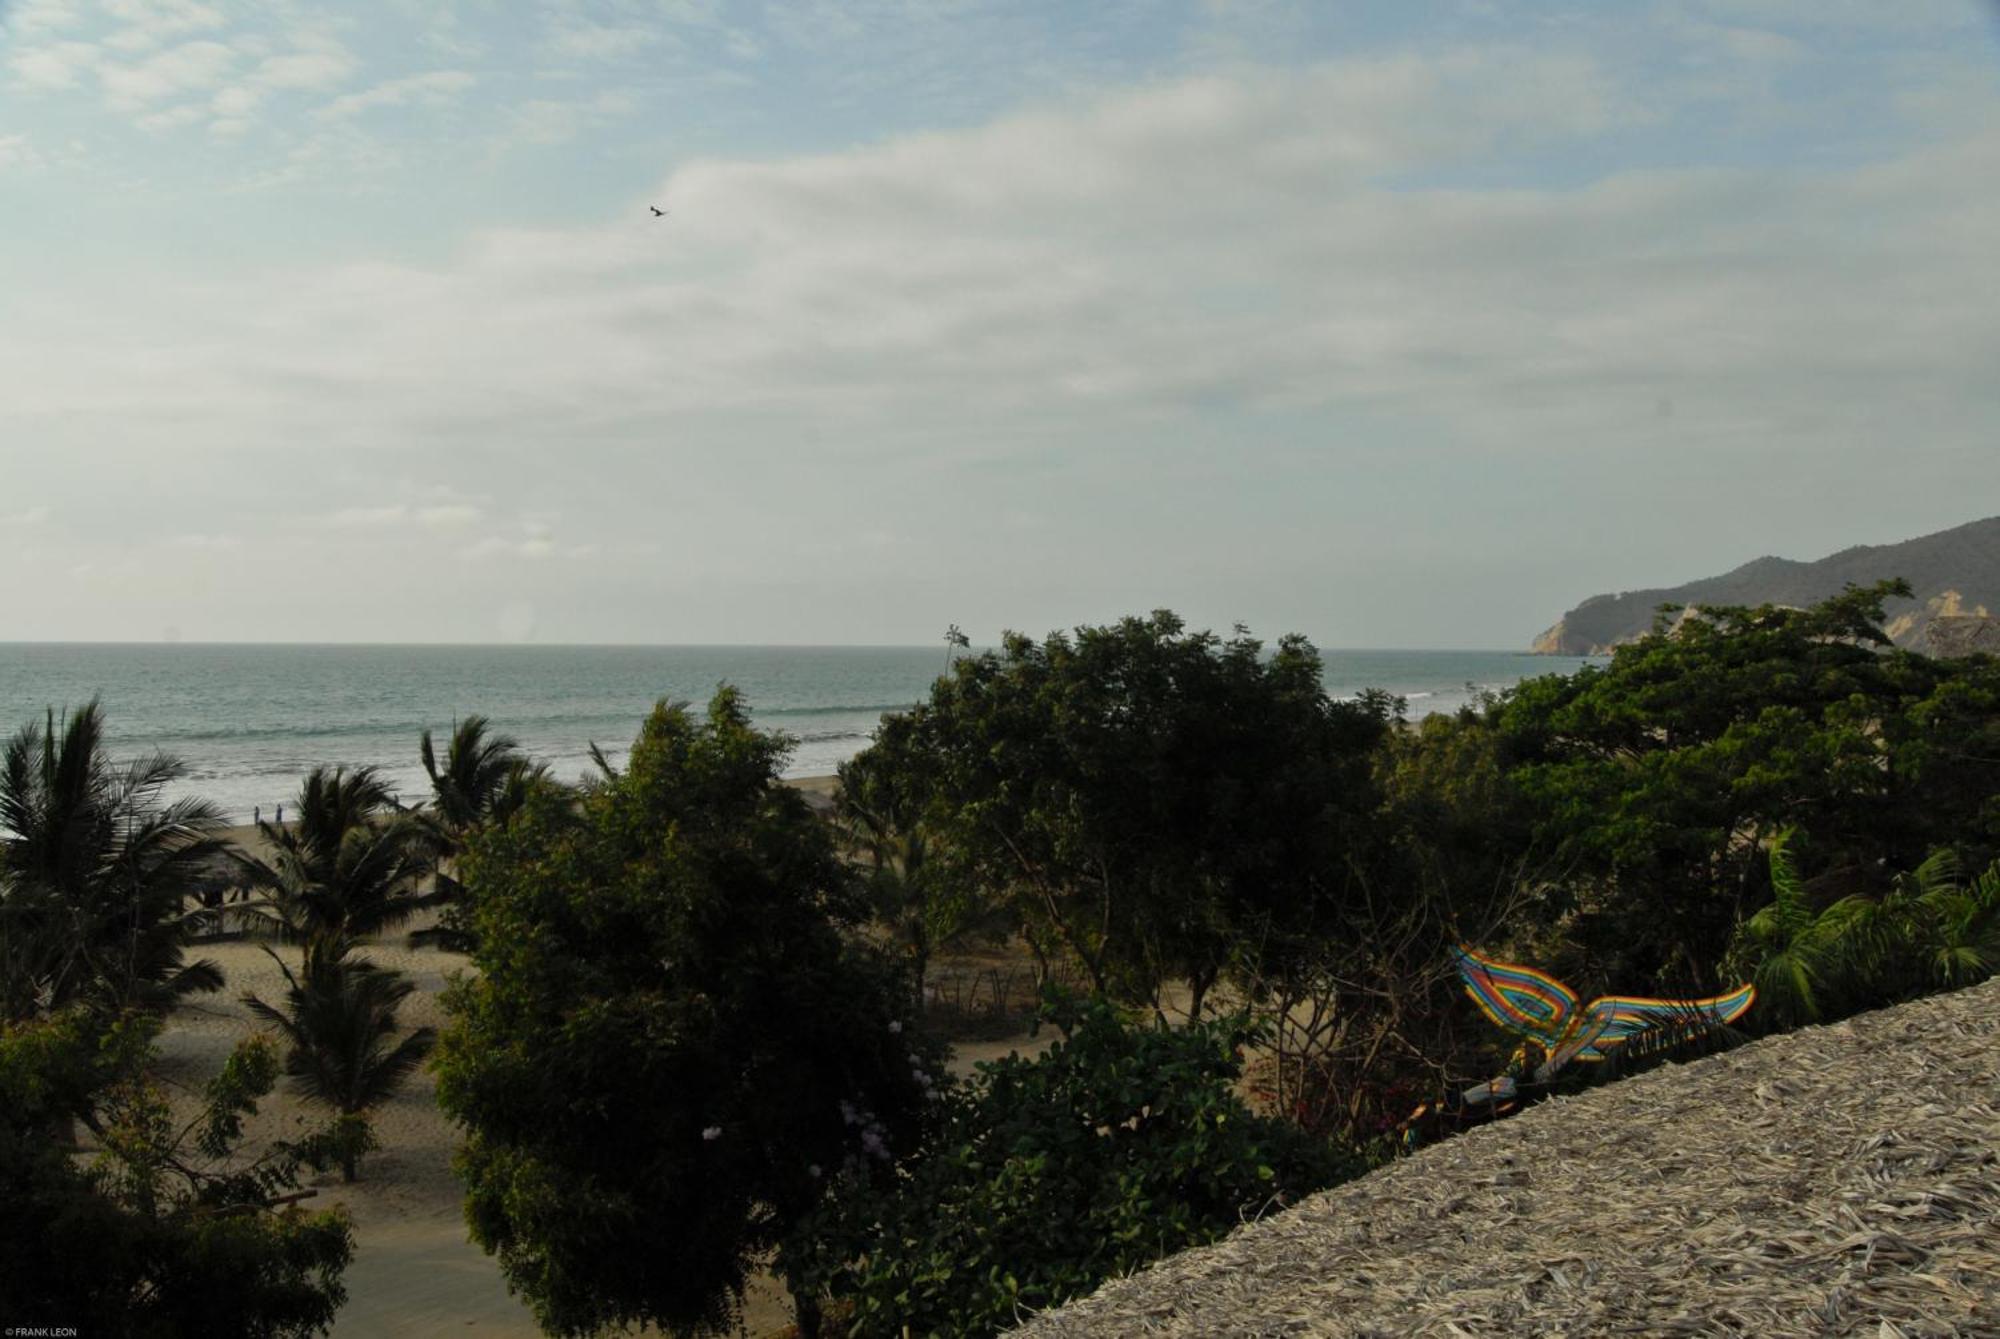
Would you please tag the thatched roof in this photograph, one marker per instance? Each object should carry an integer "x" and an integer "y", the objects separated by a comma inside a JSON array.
[{"x": 1838, "y": 1180}]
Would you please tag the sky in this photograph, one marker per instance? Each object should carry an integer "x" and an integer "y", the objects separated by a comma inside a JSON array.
[{"x": 1394, "y": 325}]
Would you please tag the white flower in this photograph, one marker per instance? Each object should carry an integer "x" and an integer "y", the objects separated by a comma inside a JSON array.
[
  {"x": 895, "y": 1026},
  {"x": 813, "y": 1171},
  {"x": 712, "y": 1133}
]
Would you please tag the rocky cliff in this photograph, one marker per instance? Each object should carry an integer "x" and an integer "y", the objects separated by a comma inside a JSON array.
[{"x": 1954, "y": 574}]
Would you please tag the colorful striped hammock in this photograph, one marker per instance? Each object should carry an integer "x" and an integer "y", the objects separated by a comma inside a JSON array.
[{"x": 1542, "y": 1010}]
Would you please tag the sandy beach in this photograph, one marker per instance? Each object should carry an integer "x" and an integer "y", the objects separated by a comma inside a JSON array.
[{"x": 414, "y": 1271}]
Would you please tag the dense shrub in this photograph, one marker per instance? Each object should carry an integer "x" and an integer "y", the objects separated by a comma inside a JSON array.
[
  {"x": 166, "y": 1233},
  {"x": 1043, "y": 1177}
]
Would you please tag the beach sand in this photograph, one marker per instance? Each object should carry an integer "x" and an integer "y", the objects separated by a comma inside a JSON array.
[{"x": 414, "y": 1271}]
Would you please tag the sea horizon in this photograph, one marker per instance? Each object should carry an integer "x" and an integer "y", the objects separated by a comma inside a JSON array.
[
  {"x": 249, "y": 719},
  {"x": 936, "y": 648}
]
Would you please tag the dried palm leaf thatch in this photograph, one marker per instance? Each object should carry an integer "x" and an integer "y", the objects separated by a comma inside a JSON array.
[{"x": 1837, "y": 1180}]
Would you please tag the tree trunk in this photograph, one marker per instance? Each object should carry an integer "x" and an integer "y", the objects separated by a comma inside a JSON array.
[
  {"x": 1198, "y": 994},
  {"x": 920, "y": 954},
  {"x": 805, "y": 1309}
]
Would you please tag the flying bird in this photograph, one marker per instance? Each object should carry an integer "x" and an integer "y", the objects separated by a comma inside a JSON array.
[{"x": 658, "y": 212}]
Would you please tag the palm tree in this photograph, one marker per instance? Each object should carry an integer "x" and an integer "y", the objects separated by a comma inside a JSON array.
[
  {"x": 339, "y": 1015},
  {"x": 1786, "y": 944},
  {"x": 485, "y": 780},
  {"x": 96, "y": 869},
  {"x": 1966, "y": 945},
  {"x": 481, "y": 777},
  {"x": 1930, "y": 931},
  {"x": 898, "y": 881},
  {"x": 352, "y": 863}
]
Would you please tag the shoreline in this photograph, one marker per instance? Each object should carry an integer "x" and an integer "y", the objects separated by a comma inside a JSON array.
[{"x": 820, "y": 793}]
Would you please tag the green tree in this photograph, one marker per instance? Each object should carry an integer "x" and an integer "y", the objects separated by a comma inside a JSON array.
[
  {"x": 351, "y": 864},
  {"x": 169, "y": 1231},
  {"x": 1152, "y": 803},
  {"x": 339, "y": 1020},
  {"x": 912, "y": 889},
  {"x": 1654, "y": 781},
  {"x": 1046, "y": 1176},
  {"x": 673, "y": 1039},
  {"x": 96, "y": 867}
]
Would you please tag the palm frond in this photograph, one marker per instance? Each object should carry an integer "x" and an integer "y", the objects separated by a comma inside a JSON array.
[
  {"x": 112, "y": 864},
  {"x": 337, "y": 1016}
]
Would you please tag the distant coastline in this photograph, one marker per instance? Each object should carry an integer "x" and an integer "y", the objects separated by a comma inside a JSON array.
[{"x": 1954, "y": 578}]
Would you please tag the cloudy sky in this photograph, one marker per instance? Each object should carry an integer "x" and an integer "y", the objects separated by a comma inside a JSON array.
[{"x": 351, "y": 322}]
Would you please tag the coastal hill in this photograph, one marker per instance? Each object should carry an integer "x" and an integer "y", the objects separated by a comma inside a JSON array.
[
  {"x": 1955, "y": 575},
  {"x": 1833, "y": 1181}
]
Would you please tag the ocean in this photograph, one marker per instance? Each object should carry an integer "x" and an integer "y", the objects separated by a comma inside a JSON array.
[{"x": 249, "y": 720}]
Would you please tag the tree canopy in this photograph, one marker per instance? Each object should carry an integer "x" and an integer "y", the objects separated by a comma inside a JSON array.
[
  {"x": 1658, "y": 777},
  {"x": 1151, "y": 802},
  {"x": 673, "y": 1041}
]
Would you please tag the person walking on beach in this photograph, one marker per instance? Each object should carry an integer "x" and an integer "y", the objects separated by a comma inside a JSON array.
[{"x": 257, "y": 814}]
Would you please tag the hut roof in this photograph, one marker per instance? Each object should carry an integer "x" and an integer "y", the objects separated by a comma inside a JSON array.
[{"x": 1837, "y": 1180}]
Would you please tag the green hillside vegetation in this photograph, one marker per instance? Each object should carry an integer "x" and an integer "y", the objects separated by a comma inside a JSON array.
[{"x": 1964, "y": 560}]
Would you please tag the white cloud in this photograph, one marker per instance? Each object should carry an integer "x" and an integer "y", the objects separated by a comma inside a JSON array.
[
  {"x": 447, "y": 516},
  {"x": 189, "y": 67},
  {"x": 28, "y": 516},
  {"x": 171, "y": 118},
  {"x": 317, "y": 64},
  {"x": 553, "y": 121},
  {"x": 536, "y": 542},
  {"x": 236, "y": 100},
  {"x": 206, "y": 543},
  {"x": 151, "y": 23},
  {"x": 18, "y": 151},
  {"x": 432, "y": 516},
  {"x": 573, "y": 39},
  {"x": 1232, "y": 240},
  {"x": 321, "y": 66},
  {"x": 435, "y": 88},
  {"x": 394, "y": 514},
  {"x": 26, "y": 18},
  {"x": 53, "y": 66}
]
